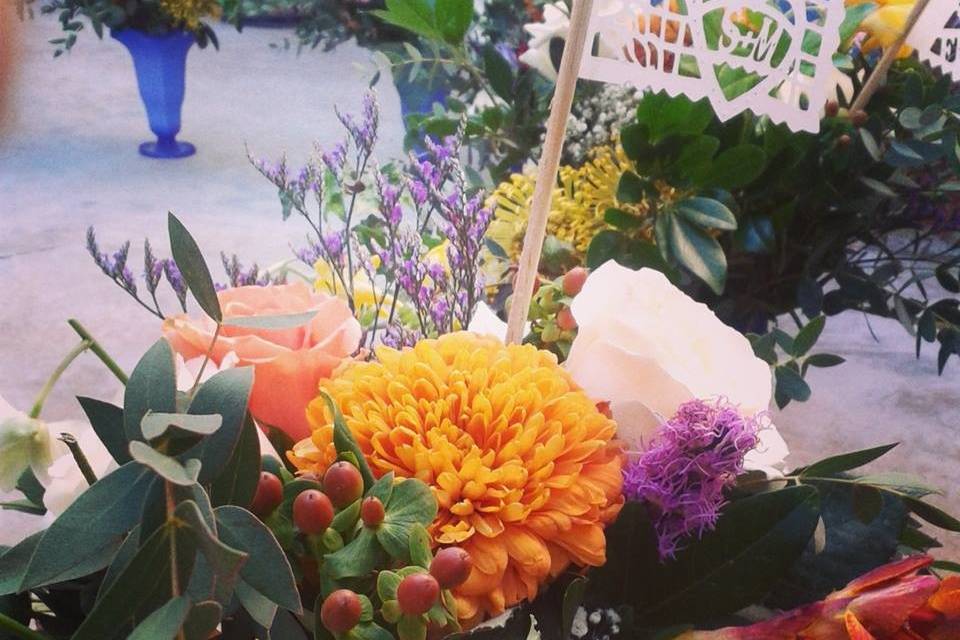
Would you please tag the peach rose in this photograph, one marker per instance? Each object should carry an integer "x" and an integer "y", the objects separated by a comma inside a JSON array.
[{"x": 288, "y": 363}]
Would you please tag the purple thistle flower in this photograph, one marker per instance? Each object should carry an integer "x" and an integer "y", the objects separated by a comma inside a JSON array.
[{"x": 692, "y": 459}]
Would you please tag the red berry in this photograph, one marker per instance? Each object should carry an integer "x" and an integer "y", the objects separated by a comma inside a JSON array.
[
  {"x": 451, "y": 567},
  {"x": 417, "y": 593},
  {"x": 343, "y": 484},
  {"x": 312, "y": 511},
  {"x": 268, "y": 496},
  {"x": 341, "y": 610},
  {"x": 832, "y": 108},
  {"x": 573, "y": 281},
  {"x": 565, "y": 320},
  {"x": 371, "y": 511}
]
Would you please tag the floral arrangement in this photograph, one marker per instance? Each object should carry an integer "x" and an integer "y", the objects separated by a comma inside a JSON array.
[
  {"x": 355, "y": 453},
  {"x": 150, "y": 16}
]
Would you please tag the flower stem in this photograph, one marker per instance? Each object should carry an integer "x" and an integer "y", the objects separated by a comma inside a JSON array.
[
  {"x": 19, "y": 630},
  {"x": 206, "y": 359},
  {"x": 52, "y": 380},
  {"x": 98, "y": 351},
  {"x": 79, "y": 457}
]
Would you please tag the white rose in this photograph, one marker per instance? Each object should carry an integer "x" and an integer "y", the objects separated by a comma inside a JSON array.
[
  {"x": 646, "y": 347},
  {"x": 24, "y": 444}
]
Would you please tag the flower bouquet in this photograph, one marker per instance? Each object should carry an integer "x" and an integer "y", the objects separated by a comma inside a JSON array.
[{"x": 356, "y": 454}]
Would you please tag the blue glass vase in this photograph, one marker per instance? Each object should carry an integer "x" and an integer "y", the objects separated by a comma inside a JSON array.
[{"x": 160, "y": 62}]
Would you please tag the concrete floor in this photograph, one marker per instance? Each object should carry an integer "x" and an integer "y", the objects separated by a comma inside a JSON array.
[{"x": 70, "y": 159}]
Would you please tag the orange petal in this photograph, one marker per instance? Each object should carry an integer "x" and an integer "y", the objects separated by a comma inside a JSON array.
[{"x": 855, "y": 630}]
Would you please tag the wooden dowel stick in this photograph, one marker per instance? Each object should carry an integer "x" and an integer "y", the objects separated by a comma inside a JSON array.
[
  {"x": 879, "y": 74},
  {"x": 547, "y": 171}
]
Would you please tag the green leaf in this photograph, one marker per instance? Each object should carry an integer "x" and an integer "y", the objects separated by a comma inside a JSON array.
[
  {"x": 344, "y": 441},
  {"x": 193, "y": 268},
  {"x": 498, "y": 72},
  {"x": 845, "y": 461},
  {"x": 935, "y": 516},
  {"x": 226, "y": 393},
  {"x": 905, "y": 483},
  {"x": 358, "y": 558},
  {"x": 164, "y": 623},
  {"x": 665, "y": 116},
  {"x": 622, "y": 220},
  {"x": 93, "y": 527},
  {"x": 224, "y": 560},
  {"x": 261, "y": 609},
  {"x": 699, "y": 252},
  {"x": 152, "y": 387},
  {"x": 453, "y": 18},
  {"x": 167, "y": 467},
  {"x": 755, "y": 234},
  {"x": 237, "y": 483},
  {"x": 631, "y": 188},
  {"x": 202, "y": 620},
  {"x": 572, "y": 599},
  {"x": 867, "y": 503},
  {"x": 808, "y": 336},
  {"x": 606, "y": 245},
  {"x": 273, "y": 322},
  {"x": 107, "y": 422},
  {"x": 707, "y": 213},
  {"x": 736, "y": 167},
  {"x": 420, "y": 554},
  {"x": 791, "y": 384},
  {"x": 869, "y": 142},
  {"x": 121, "y": 560},
  {"x": 824, "y": 360},
  {"x": 14, "y": 562},
  {"x": 267, "y": 569},
  {"x": 414, "y": 15},
  {"x": 387, "y": 583},
  {"x": 410, "y": 503},
  {"x": 144, "y": 583},
  {"x": 155, "y": 425},
  {"x": 756, "y": 540},
  {"x": 852, "y": 18}
]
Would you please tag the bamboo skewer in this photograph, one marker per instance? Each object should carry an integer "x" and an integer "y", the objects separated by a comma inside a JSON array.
[{"x": 547, "y": 170}]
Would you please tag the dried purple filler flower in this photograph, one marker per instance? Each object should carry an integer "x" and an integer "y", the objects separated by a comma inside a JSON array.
[{"x": 682, "y": 475}]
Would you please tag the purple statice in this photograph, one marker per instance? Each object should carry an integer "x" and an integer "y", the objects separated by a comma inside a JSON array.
[
  {"x": 152, "y": 268},
  {"x": 238, "y": 276},
  {"x": 398, "y": 336},
  {"x": 172, "y": 273},
  {"x": 364, "y": 132},
  {"x": 682, "y": 474}
]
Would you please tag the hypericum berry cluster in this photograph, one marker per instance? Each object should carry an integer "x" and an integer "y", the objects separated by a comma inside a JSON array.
[
  {"x": 318, "y": 520},
  {"x": 552, "y": 324}
]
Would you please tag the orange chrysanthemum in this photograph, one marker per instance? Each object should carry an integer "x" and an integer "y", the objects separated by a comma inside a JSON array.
[{"x": 521, "y": 462}]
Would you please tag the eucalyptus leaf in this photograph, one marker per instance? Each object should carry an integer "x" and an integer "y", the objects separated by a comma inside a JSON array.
[
  {"x": 237, "y": 483},
  {"x": 164, "y": 623},
  {"x": 271, "y": 322},
  {"x": 152, "y": 387},
  {"x": 165, "y": 466},
  {"x": 92, "y": 527},
  {"x": 267, "y": 569},
  {"x": 193, "y": 268},
  {"x": 261, "y": 609},
  {"x": 156, "y": 424},
  {"x": 226, "y": 393},
  {"x": 107, "y": 422}
]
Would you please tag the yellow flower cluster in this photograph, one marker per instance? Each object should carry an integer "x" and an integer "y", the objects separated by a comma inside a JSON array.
[
  {"x": 884, "y": 25},
  {"x": 577, "y": 208},
  {"x": 190, "y": 12},
  {"x": 522, "y": 463}
]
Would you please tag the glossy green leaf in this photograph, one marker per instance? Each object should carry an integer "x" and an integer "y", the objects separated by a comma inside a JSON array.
[
  {"x": 498, "y": 71},
  {"x": 631, "y": 188},
  {"x": 152, "y": 387},
  {"x": 824, "y": 360},
  {"x": 665, "y": 116},
  {"x": 791, "y": 384},
  {"x": 453, "y": 18},
  {"x": 93, "y": 527},
  {"x": 736, "y": 167},
  {"x": 193, "y": 268},
  {"x": 808, "y": 336},
  {"x": 164, "y": 623},
  {"x": 107, "y": 421},
  {"x": 706, "y": 213},
  {"x": 267, "y": 569},
  {"x": 756, "y": 540},
  {"x": 846, "y": 461},
  {"x": 414, "y": 15},
  {"x": 699, "y": 252}
]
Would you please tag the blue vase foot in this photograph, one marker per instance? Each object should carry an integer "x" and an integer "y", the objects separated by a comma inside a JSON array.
[{"x": 175, "y": 149}]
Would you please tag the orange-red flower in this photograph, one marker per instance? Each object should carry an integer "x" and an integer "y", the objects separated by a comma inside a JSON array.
[
  {"x": 892, "y": 602},
  {"x": 521, "y": 462},
  {"x": 288, "y": 363}
]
